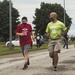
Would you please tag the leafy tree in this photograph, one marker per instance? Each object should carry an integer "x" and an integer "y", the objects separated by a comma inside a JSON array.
[
  {"x": 4, "y": 19},
  {"x": 41, "y": 18},
  {"x": 72, "y": 38}
]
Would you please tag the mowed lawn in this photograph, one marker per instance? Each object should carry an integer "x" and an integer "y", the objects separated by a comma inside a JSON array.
[{"x": 5, "y": 51}]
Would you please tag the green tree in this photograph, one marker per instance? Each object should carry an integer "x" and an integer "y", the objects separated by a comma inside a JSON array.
[
  {"x": 72, "y": 38},
  {"x": 41, "y": 18},
  {"x": 4, "y": 19}
]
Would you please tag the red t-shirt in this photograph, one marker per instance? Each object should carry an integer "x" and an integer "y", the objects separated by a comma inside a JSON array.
[{"x": 24, "y": 40}]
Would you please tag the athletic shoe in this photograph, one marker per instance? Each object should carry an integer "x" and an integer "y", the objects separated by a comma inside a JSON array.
[
  {"x": 28, "y": 63},
  {"x": 55, "y": 68},
  {"x": 59, "y": 51},
  {"x": 25, "y": 67}
]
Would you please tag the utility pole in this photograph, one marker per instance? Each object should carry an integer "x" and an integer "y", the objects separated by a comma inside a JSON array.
[
  {"x": 64, "y": 12},
  {"x": 10, "y": 24}
]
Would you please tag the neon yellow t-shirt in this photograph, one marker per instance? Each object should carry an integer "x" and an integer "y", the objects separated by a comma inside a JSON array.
[{"x": 55, "y": 29}]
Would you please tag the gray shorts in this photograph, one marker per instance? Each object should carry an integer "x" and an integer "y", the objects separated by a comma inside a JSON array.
[{"x": 25, "y": 49}]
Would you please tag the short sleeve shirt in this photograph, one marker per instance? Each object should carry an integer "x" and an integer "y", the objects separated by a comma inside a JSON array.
[
  {"x": 24, "y": 40},
  {"x": 55, "y": 29}
]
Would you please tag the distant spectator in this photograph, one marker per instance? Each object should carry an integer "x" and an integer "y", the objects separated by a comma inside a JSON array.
[
  {"x": 41, "y": 40},
  {"x": 38, "y": 40},
  {"x": 65, "y": 41}
]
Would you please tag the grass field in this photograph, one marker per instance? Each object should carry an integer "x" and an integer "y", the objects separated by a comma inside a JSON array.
[{"x": 5, "y": 51}]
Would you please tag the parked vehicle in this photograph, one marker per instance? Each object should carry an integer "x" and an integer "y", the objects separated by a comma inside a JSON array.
[{"x": 16, "y": 42}]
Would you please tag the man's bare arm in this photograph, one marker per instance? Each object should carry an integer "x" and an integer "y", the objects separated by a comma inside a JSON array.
[
  {"x": 20, "y": 34},
  {"x": 47, "y": 34},
  {"x": 64, "y": 32}
]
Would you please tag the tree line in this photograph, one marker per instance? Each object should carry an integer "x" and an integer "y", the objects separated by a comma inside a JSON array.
[{"x": 40, "y": 21}]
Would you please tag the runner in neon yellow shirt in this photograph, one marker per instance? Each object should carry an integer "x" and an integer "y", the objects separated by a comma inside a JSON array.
[{"x": 55, "y": 29}]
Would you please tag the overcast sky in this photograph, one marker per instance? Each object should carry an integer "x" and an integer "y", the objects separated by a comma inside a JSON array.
[{"x": 27, "y": 8}]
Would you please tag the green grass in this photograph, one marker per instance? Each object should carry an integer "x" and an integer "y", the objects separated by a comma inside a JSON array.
[
  {"x": 5, "y": 51},
  {"x": 71, "y": 43},
  {"x": 2, "y": 43}
]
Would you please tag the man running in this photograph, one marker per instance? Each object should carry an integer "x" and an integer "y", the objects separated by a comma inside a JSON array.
[
  {"x": 55, "y": 29},
  {"x": 23, "y": 31}
]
